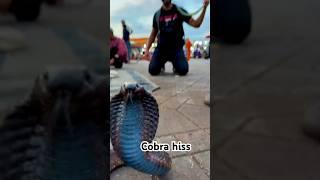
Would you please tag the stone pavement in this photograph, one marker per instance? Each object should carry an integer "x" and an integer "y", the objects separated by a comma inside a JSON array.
[
  {"x": 183, "y": 117},
  {"x": 262, "y": 88}
]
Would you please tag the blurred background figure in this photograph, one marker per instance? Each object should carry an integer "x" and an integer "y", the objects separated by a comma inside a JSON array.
[
  {"x": 188, "y": 48},
  {"x": 197, "y": 52},
  {"x": 118, "y": 51},
  {"x": 126, "y": 37},
  {"x": 23, "y": 10},
  {"x": 231, "y": 20},
  {"x": 232, "y": 23}
]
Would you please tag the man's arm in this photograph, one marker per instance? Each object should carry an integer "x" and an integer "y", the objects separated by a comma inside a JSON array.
[
  {"x": 151, "y": 39},
  {"x": 197, "y": 22}
]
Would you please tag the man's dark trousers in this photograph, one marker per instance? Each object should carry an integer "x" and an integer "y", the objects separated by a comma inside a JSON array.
[{"x": 176, "y": 56}]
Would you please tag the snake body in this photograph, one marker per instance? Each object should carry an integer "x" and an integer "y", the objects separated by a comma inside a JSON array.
[
  {"x": 134, "y": 118},
  {"x": 54, "y": 134}
]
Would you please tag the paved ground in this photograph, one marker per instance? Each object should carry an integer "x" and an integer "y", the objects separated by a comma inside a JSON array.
[
  {"x": 183, "y": 117},
  {"x": 262, "y": 88}
]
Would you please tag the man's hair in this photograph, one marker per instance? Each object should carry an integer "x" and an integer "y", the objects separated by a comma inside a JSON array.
[
  {"x": 26, "y": 10},
  {"x": 123, "y": 23}
]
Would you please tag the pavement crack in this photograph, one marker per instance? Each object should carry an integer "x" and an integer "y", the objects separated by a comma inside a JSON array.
[
  {"x": 260, "y": 74},
  {"x": 235, "y": 131}
]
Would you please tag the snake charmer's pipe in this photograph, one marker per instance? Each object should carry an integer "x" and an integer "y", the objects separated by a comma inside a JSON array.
[{"x": 134, "y": 118}]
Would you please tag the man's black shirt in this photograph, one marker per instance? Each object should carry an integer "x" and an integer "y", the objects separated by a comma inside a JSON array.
[{"x": 171, "y": 34}]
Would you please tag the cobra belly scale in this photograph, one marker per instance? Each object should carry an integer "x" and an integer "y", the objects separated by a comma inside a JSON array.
[{"x": 134, "y": 118}]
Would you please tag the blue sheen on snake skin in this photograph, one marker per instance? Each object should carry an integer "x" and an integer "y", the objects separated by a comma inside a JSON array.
[
  {"x": 130, "y": 139},
  {"x": 73, "y": 154}
]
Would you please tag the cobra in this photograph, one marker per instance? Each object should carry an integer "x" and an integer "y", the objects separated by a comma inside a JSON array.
[
  {"x": 59, "y": 131},
  {"x": 134, "y": 116}
]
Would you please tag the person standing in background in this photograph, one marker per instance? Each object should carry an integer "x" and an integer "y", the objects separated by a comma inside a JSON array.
[
  {"x": 126, "y": 37},
  {"x": 188, "y": 48}
]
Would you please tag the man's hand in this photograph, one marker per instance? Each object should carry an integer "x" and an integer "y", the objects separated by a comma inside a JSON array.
[
  {"x": 146, "y": 55},
  {"x": 206, "y": 3},
  {"x": 111, "y": 61},
  {"x": 197, "y": 22}
]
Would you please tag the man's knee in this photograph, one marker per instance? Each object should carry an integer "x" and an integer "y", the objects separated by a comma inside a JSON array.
[
  {"x": 181, "y": 65},
  {"x": 153, "y": 70},
  {"x": 182, "y": 71},
  {"x": 155, "y": 65}
]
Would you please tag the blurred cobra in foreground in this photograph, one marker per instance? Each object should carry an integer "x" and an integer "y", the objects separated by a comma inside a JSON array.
[{"x": 59, "y": 131}]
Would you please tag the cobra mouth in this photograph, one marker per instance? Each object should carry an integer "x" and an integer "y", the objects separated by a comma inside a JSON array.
[{"x": 131, "y": 91}]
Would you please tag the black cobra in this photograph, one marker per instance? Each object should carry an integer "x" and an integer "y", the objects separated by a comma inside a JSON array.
[
  {"x": 59, "y": 131},
  {"x": 134, "y": 118}
]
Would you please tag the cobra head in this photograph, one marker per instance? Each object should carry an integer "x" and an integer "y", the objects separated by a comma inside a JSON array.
[
  {"x": 67, "y": 93},
  {"x": 131, "y": 90}
]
